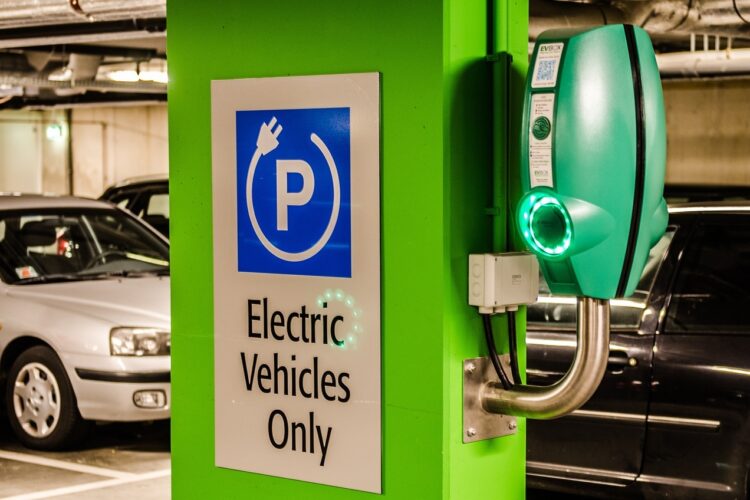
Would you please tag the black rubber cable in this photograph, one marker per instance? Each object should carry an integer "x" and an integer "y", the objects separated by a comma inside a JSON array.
[
  {"x": 493, "y": 353},
  {"x": 513, "y": 344}
]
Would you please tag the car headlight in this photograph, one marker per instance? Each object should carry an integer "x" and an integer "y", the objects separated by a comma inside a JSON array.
[{"x": 130, "y": 341}]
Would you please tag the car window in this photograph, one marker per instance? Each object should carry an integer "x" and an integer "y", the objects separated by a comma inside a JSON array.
[
  {"x": 71, "y": 244},
  {"x": 712, "y": 290},
  {"x": 123, "y": 199},
  {"x": 560, "y": 311},
  {"x": 158, "y": 204}
]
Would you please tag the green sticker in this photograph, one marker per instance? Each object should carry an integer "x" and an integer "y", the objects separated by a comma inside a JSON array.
[{"x": 541, "y": 128}]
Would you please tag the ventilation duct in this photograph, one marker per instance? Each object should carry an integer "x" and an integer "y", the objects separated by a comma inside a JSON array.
[
  {"x": 27, "y": 13},
  {"x": 25, "y": 80}
]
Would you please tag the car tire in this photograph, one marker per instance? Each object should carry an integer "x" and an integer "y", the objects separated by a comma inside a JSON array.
[{"x": 40, "y": 402}]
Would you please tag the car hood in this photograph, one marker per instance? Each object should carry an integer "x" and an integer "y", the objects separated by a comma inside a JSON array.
[{"x": 142, "y": 301}]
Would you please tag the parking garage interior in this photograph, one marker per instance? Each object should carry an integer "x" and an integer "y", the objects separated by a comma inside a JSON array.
[{"x": 117, "y": 120}]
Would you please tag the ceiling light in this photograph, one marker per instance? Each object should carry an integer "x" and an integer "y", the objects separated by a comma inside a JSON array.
[
  {"x": 127, "y": 75},
  {"x": 61, "y": 75},
  {"x": 153, "y": 76}
]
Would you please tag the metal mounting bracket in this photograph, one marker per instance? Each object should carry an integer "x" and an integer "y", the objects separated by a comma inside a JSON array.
[{"x": 479, "y": 424}]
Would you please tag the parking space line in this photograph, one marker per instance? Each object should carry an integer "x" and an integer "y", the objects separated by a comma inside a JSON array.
[
  {"x": 67, "y": 490},
  {"x": 61, "y": 464}
]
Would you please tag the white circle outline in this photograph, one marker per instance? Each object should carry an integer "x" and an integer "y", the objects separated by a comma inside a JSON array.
[{"x": 318, "y": 246}]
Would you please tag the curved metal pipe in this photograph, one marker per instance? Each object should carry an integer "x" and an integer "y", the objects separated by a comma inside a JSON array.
[{"x": 576, "y": 387}]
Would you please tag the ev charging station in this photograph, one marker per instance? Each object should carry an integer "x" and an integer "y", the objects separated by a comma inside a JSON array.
[
  {"x": 592, "y": 172},
  {"x": 594, "y": 158},
  {"x": 438, "y": 162}
]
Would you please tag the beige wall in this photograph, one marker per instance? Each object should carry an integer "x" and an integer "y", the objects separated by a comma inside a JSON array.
[
  {"x": 55, "y": 155},
  {"x": 114, "y": 143},
  {"x": 29, "y": 161},
  {"x": 109, "y": 144},
  {"x": 708, "y": 131}
]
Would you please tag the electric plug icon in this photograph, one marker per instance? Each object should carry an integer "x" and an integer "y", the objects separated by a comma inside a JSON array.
[{"x": 268, "y": 137}]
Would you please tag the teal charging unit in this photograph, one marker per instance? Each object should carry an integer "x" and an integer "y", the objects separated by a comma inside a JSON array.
[{"x": 593, "y": 159}]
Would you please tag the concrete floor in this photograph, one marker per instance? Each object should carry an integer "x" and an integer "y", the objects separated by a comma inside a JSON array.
[{"x": 117, "y": 461}]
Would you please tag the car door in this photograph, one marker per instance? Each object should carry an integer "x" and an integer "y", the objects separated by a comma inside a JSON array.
[
  {"x": 603, "y": 441},
  {"x": 698, "y": 434}
]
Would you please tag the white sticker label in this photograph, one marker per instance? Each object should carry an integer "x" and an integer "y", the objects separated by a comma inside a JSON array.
[
  {"x": 547, "y": 64},
  {"x": 26, "y": 272},
  {"x": 540, "y": 139}
]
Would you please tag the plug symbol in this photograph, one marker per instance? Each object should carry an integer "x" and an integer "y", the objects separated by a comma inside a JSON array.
[
  {"x": 268, "y": 141},
  {"x": 268, "y": 137}
]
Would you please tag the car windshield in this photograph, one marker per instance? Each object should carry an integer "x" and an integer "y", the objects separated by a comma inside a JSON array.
[{"x": 41, "y": 246}]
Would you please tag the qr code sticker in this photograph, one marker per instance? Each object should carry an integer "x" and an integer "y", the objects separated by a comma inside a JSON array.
[{"x": 546, "y": 70}]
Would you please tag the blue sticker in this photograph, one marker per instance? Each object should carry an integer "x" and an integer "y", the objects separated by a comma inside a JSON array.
[{"x": 294, "y": 192}]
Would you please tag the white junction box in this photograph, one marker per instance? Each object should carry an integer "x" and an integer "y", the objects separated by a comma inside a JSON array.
[{"x": 500, "y": 281}]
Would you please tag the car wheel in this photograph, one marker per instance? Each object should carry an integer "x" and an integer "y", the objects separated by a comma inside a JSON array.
[{"x": 40, "y": 401}]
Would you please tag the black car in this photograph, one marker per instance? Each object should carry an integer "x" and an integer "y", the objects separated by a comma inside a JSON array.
[
  {"x": 146, "y": 197},
  {"x": 689, "y": 193},
  {"x": 671, "y": 417}
]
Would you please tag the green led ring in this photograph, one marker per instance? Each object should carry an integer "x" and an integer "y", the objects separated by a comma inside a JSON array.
[{"x": 531, "y": 236}]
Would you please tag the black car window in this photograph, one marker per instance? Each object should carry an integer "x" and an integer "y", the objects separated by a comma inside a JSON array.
[
  {"x": 158, "y": 204},
  {"x": 560, "y": 311},
  {"x": 154, "y": 209},
  {"x": 712, "y": 290},
  {"x": 123, "y": 200}
]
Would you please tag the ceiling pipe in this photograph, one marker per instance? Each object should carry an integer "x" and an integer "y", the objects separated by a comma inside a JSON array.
[
  {"x": 24, "y": 13},
  {"x": 137, "y": 53},
  {"x": 677, "y": 17},
  {"x": 26, "y": 80},
  {"x": 90, "y": 99},
  {"x": 105, "y": 31},
  {"x": 715, "y": 17},
  {"x": 703, "y": 63},
  {"x": 549, "y": 14}
]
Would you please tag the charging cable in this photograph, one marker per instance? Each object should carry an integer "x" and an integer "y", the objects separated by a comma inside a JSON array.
[
  {"x": 506, "y": 382},
  {"x": 490, "y": 339}
]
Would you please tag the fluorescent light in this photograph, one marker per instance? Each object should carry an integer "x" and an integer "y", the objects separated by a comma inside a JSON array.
[
  {"x": 153, "y": 76},
  {"x": 133, "y": 76},
  {"x": 61, "y": 75},
  {"x": 127, "y": 75}
]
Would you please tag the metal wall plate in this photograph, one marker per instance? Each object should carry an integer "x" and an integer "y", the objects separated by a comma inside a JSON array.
[{"x": 478, "y": 424}]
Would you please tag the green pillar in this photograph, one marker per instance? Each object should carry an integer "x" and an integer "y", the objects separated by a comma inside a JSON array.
[{"x": 436, "y": 188}]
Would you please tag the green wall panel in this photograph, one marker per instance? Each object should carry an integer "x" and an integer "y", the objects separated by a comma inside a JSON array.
[{"x": 436, "y": 186}]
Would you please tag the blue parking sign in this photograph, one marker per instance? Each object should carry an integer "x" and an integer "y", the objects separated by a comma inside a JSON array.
[{"x": 293, "y": 192}]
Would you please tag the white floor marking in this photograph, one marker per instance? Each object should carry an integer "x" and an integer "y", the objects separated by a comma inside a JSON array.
[
  {"x": 61, "y": 464},
  {"x": 67, "y": 490}
]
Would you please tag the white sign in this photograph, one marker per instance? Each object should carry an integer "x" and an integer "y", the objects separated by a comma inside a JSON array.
[{"x": 296, "y": 233}]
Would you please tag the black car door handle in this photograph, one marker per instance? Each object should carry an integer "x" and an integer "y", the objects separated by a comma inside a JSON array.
[{"x": 619, "y": 360}]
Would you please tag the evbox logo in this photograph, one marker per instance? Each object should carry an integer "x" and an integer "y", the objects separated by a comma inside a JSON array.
[{"x": 293, "y": 192}]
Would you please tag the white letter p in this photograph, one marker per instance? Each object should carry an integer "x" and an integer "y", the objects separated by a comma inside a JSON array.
[{"x": 285, "y": 199}]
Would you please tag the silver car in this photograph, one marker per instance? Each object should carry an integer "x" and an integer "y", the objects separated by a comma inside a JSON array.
[{"x": 84, "y": 318}]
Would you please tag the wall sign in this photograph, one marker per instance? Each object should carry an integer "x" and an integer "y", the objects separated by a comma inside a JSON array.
[{"x": 296, "y": 233}]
